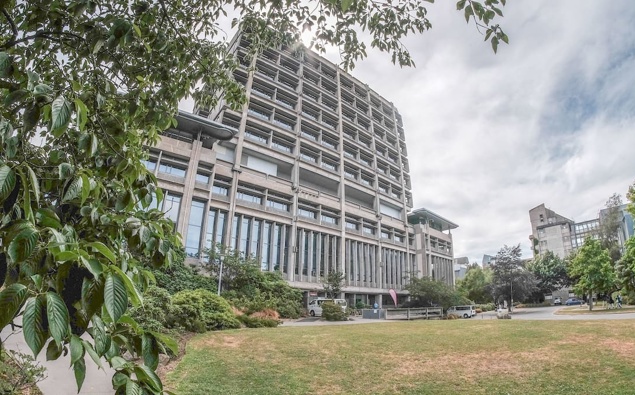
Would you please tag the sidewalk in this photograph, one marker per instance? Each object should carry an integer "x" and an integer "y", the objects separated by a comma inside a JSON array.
[{"x": 60, "y": 379}]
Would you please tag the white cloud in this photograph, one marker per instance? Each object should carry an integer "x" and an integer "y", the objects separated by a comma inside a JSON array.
[{"x": 548, "y": 119}]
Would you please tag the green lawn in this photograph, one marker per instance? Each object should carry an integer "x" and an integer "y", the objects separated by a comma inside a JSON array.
[
  {"x": 597, "y": 309},
  {"x": 417, "y": 357}
]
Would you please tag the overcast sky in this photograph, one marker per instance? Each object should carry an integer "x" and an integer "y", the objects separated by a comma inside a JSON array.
[{"x": 549, "y": 119}]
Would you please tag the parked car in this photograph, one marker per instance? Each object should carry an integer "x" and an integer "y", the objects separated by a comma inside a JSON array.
[
  {"x": 557, "y": 301},
  {"x": 462, "y": 311},
  {"x": 573, "y": 301}
]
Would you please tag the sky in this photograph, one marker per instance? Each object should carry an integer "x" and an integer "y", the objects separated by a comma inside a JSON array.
[{"x": 549, "y": 119}]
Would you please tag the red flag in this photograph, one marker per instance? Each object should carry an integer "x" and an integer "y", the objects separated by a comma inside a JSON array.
[{"x": 393, "y": 294}]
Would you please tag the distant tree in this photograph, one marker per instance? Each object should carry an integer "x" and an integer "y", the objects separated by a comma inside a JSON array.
[
  {"x": 550, "y": 271},
  {"x": 630, "y": 195},
  {"x": 476, "y": 284},
  {"x": 625, "y": 268},
  {"x": 593, "y": 269},
  {"x": 425, "y": 292},
  {"x": 333, "y": 284},
  {"x": 610, "y": 223},
  {"x": 510, "y": 280}
]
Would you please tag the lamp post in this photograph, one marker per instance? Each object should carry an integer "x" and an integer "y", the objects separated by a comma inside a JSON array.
[{"x": 220, "y": 274}]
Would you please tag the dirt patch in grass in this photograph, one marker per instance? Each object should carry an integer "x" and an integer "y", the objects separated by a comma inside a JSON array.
[
  {"x": 625, "y": 349},
  {"x": 511, "y": 364}
]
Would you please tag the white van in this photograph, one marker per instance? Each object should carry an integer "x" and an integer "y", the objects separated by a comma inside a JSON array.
[
  {"x": 462, "y": 311},
  {"x": 315, "y": 306}
]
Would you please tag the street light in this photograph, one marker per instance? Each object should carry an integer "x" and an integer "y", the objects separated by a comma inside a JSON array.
[{"x": 220, "y": 273}]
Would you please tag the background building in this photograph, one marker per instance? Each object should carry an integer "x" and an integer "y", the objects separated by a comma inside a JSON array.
[{"x": 315, "y": 180}]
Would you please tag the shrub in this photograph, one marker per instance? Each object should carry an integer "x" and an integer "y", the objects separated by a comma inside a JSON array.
[
  {"x": 153, "y": 315},
  {"x": 485, "y": 307},
  {"x": 258, "y": 322},
  {"x": 267, "y": 313},
  {"x": 333, "y": 312},
  {"x": 179, "y": 277},
  {"x": 202, "y": 310},
  {"x": 18, "y": 372},
  {"x": 451, "y": 317}
]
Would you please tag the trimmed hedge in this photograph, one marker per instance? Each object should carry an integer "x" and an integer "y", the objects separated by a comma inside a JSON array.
[
  {"x": 333, "y": 312},
  {"x": 201, "y": 310}
]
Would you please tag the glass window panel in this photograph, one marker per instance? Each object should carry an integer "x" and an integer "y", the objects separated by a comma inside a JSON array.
[{"x": 195, "y": 225}]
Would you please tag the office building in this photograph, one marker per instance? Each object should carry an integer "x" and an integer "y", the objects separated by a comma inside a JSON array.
[{"x": 316, "y": 179}]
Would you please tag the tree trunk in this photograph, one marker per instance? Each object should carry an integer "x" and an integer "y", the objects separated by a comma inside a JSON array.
[{"x": 590, "y": 301}]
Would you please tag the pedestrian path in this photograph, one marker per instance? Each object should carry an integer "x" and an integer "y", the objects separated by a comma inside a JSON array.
[{"x": 60, "y": 379}]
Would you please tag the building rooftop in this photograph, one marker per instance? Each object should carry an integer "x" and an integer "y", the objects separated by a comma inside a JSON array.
[{"x": 423, "y": 215}]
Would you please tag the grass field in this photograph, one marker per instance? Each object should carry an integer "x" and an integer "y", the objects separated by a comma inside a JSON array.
[{"x": 417, "y": 357}]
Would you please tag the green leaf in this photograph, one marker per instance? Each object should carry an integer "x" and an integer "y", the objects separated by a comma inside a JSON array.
[
  {"x": 60, "y": 115},
  {"x": 35, "y": 184},
  {"x": 346, "y": 5},
  {"x": 168, "y": 341},
  {"x": 93, "y": 265},
  {"x": 33, "y": 325},
  {"x": 53, "y": 351},
  {"x": 82, "y": 114},
  {"x": 7, "y": 181},
  {"x": 22, "y": 245},
  {"x": 85, "y": 187},
  {"x": 74, "y": 190},
  {"x": 104, "y": 250},
  {"x": 65, "y": 170},
  {"x": 148, "y": 376},
  {"x": 15, "y": 97},
  {"x": 130, "y": 287},
  {"x": 77, "y": 349},
  {"x": 468, "y": 13},
  {"x": 115, "y": 297},
  {"x": 11, "y": 299},
  {"x": 58, "y": 319},
  {"x": 460, "y": 5},
  {"x": 101, "y": 337},
  {"x": 494, "y": 44},
  {"x": 47, "y": 218},
  {"x": 150, "y": 351},
  {"x": 6, "y": 65},
  {"x": 132, "y": 388},
  {"x": 4, "y": 267},
  {"x": 31, "y": 116},
  {"x": 118, "y": 380},
  {"x": 505, "y": 38},
  {"x": 79, "y": 368},
  {"x": 91, "y": 351},
  {"x": 94, "y": 144}
]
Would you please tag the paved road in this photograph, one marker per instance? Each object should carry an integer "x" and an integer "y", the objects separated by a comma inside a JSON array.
[{"x": 547, "y": 313}]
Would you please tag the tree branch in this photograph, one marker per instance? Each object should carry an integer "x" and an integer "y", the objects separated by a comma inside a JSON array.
[{"x": 14, "y": 28}]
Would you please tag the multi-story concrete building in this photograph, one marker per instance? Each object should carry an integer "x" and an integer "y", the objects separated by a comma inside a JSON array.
[
  {"x": 550, "y": 231},
  {"x": 315, "y": 180},
  {"x": 562, "y": 236}
]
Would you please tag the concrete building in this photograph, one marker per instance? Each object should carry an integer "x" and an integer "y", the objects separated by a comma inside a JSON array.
[
  {"x": 488, "y": 261},
  {"x": 461, "y": 265},
  {"x": 550, "y": 231},
  {"x": 315, "y": 180}
]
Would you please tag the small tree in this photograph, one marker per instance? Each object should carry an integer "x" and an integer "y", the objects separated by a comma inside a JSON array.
[
  {"x": 425, "y": 292},
  {"x": 476, "y": 284},
  {"x": 510, "y": 280},
  {"x": 550, "y": 271},
  {"x": 593, "y": 269},
  {"x": 610, "y": 223},
  {"x": 333, "y": 284},
  {"x": 625, "y": 269}
]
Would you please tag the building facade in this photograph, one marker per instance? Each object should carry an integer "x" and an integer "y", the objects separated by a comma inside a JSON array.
[{"x": 314, "y": 181}]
